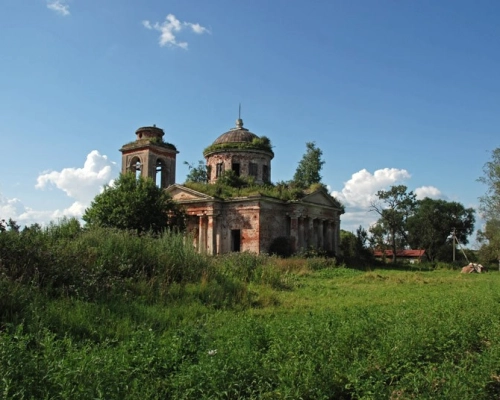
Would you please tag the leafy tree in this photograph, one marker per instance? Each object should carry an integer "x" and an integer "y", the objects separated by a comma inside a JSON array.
[
  {"x": 353, "y": 246},
  {"x": 229, "y": 178},
  {"x": 431, "y": 223},
  {"x": 9, "y": 225},
  {"x": 309, "y": 168},
  {"x": 489, "y": 208},
  {"x": 133, "y": 204},
  {"x": 347, "y": 244},
  {"x": 394, "y": 207},
  {"x": 378, "y": 239},
  {"x": 197, "y": 174},
  {"x": 489, "y": 237}
]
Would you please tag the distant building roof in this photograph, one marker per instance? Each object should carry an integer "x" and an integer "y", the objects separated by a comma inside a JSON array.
[{"x": 401, "y": 253}]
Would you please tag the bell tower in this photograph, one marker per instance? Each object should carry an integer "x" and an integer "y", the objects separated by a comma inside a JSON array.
[{"x": 149, "y": 156}]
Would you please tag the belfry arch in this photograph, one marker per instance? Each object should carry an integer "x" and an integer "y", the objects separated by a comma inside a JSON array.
[
  {"x": 161, "y": 173},
  {"x": 134, "y": 166},
  {"x": 150, "y": 156}
]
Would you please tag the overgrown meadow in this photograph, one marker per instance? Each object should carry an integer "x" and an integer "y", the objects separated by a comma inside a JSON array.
[{"x": 104, "y": 314}]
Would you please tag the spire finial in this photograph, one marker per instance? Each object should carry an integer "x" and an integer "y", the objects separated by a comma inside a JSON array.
[{"x": 239, "y": 121}]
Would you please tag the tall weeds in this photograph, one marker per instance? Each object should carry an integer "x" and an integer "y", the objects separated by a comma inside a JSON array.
[{"x": 108, "y": 314}]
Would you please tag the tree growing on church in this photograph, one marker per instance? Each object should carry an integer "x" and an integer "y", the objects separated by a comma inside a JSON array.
[
  {"x": 308, "y": 171},
  {"x": 133, "y": 204},
  {"x": 197, "y": 174}
]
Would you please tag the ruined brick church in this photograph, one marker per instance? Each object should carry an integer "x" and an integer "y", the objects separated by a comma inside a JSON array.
[{"x": 249, "y": 223}]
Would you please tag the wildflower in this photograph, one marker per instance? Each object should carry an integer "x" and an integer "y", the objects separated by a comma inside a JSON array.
[{"x": 212, "y": 352}]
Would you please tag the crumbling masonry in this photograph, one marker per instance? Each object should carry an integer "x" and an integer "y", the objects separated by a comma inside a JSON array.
[{"x": 249, "y": 223}]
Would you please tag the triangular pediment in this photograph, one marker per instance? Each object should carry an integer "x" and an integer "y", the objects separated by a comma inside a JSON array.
[
  {"x": 181, "y": 193},
  {"x": 322, "y": 198}
]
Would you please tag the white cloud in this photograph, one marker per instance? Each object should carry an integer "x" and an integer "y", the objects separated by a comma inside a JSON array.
[
  {"x": 428, "y": 191},
  {"x": 84, "y": 183},
  {"x": 147, "y": 25},
  {"x": 359, "y": 193},
  {"x": 59, "y": 6},
  {"x": 10, "y": 208},
  {"x": 81, "y": 184},
  {"x": 170, "y": 28},
  {"x": 16, "y": 210},
  {"x": 197, "y": 28}
]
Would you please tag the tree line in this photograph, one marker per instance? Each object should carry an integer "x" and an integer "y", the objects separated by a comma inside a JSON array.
[{"x": 403, "y": 221}]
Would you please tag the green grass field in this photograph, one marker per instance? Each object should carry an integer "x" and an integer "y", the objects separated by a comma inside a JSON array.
[{"x": 288, "y": 332}]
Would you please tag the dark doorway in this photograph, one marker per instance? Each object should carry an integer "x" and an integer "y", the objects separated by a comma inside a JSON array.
[{"x": 235, "y": 240}]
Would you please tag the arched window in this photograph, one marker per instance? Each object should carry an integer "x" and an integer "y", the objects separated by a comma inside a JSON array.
[
  {"x": 135, "y": 167},
  {"x": 160, "y": 174}
]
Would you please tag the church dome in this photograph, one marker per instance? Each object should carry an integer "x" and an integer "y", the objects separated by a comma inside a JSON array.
[
  {"x": 239, "y": 139},
  {"x": 236, "y": 135}
]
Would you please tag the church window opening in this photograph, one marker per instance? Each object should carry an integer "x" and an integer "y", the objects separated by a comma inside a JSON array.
[
  {"x": 236, "y": 168},
  {"x": 219, "y": 169},
  {"x": 265, "y": 173},
  {"x": 160, "y": 172},
  {"x": 136, "y": 167},
  {"x": 236, "y": 240},
  {"x": 252, "y": 169}
]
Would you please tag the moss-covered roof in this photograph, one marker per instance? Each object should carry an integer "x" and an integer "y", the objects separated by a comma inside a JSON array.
[
  {"x": 239, "y": 139},
  {"x": 257, "y": 143},
  {"x": 280, "y": 191},
  {"x": 145, "y": 142}
]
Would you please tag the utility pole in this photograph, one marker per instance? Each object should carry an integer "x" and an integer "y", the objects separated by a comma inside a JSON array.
[{"x": 453, "y": 235}]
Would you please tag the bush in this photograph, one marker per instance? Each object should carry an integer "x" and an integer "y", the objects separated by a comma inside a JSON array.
[
  {"x": 281, "y": 246},
  {"x": 65, "y": 259}
]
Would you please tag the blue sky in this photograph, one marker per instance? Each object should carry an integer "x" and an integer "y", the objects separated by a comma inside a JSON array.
[{"x": 391, "y": 91}]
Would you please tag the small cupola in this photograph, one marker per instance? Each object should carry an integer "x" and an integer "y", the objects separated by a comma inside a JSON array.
[{"x": 149, "y": 132}]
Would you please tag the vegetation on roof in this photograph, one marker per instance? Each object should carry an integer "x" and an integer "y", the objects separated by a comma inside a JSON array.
[
  {"x": 260, "y": 143},
  {"x": 231, "y": 186},
  {"x": 224, "y": 191},
  {"x": 156, "y": 141}
]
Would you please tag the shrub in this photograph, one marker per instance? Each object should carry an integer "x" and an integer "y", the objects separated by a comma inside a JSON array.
[{"x": 281, "y": 246}]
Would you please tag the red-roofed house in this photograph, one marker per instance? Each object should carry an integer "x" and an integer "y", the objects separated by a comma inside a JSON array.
[{"x": 411, "y": 256}]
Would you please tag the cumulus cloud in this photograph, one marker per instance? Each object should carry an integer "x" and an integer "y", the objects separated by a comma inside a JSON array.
[
  {"x": 80, "y": 184},
  {"x": 359, "y": 193},
  {"x": 84, "y": 183},
  {"x": 16, "y": 210},
  {"x": 10, "y": 208},
  {"x": 170, "y": 28},
  {"x": 59, "y": 6},
  {"x": 428, "y": 191}
]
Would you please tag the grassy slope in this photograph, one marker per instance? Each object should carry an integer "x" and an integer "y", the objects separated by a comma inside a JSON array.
[{"x": 338, "y": 333}]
